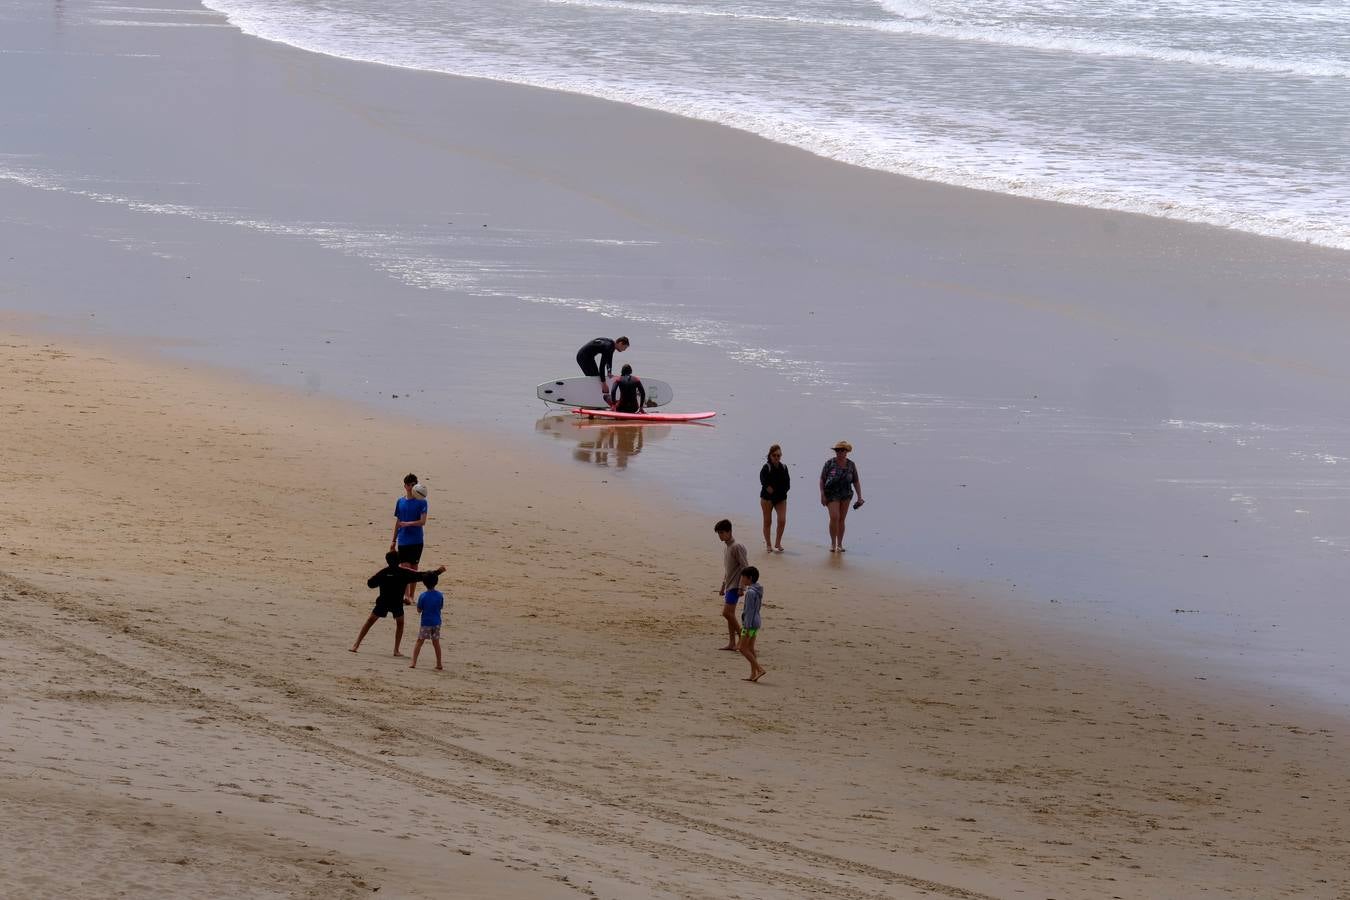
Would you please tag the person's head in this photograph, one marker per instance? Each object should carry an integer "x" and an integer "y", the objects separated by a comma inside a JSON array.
[
  {"x": 842, "y": 449},
  {"x": 775, "y": 454},
  {"x": 626, "y": 370},
  {"x": 431, "y": 581},
  {"x": 391, "y": 558},
  {"x": 621, "y": 344},
  {"x": 409, "y": 481},
  {"x": 749, "y": 576},
  {"x": 723, "y": 529}
]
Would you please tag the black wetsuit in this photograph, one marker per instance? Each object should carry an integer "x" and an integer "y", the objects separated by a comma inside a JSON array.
[
  {"x": 392, "y": 580},
  {"x": 601, "y": 347},
  {"x": 627, "y": 391}
]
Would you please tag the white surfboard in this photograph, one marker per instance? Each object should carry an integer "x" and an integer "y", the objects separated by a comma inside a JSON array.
[{"x": 585, "y": 392}]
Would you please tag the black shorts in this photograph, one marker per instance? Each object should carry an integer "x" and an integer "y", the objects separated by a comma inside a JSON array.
[
  {"x": 588, "y": 365},
  {"x": 383, "y": 609},
  {"x": 410, "y": 553}
]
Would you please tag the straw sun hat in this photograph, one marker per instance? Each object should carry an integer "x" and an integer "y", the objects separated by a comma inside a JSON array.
[{"x": 843, "y": 445}]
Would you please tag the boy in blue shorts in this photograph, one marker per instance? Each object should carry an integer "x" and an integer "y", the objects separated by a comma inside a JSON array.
[
  {"x": 734, "y": 560},
  {"x": 429, "y": 605},
  {"x": 753, "y": 597}
]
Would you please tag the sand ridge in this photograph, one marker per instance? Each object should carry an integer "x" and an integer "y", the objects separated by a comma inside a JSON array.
[{"x": 184, "y": 558}]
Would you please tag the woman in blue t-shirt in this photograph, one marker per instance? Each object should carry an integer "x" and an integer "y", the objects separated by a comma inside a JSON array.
[{"x": 774, "y": 483}]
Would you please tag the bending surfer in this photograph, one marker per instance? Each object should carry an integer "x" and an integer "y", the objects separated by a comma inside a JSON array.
[
  {"x": 597, "y": 360},
  {"x": 628, "y": 393}
]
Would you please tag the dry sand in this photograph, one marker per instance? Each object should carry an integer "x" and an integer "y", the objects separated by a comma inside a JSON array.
[{"x": 183, "y": 571}]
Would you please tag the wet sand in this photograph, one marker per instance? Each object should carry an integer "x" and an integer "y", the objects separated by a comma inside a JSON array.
[{"x": 185, "y": 565}]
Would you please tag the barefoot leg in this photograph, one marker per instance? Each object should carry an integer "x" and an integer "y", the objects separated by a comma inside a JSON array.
[{"x": 370, "y": 620}]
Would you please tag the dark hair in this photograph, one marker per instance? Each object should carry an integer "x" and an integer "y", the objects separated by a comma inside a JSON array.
[
  {"x": 622, "y": 340},
  {"x": 626, "y": 370},
  {"x": 433, "y": 579},
  {"x": 752, "y": 573},
  {"x": 410, "y": 478},
  {"x": 722, "y": 525},
  {"x": 391, "y": 558},
  {"x": 773, "y": 448}
]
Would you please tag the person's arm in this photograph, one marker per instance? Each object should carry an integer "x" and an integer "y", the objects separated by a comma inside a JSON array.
[
  {"x": 374, "y": 581},
  {"x": 642, "y": 396},
  {"x": 741, "y": 561},
  {"x": 823, "y": 470},
  {"x": 857, "y": 484},
  {"x": 766, "y": 478},
  {"x": 418, "y": 524},
  {"x": 607, "y": 361},
  {"x": 750, "y": 611},
  {"x": 423, "y": 576},
  {"x": 787, "y": 479}
]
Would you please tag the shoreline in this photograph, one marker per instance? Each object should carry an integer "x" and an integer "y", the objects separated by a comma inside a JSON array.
[
  {"x": 979, "y": 736},
  {"x": 306, "y": 269},
  {"x": 1021, "y": 188}
]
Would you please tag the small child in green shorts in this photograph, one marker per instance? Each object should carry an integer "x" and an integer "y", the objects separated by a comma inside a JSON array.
[{"x": 752, "y": 598}]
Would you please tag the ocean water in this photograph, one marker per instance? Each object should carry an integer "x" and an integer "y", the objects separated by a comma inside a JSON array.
[{"x": 1227, "y": 112}]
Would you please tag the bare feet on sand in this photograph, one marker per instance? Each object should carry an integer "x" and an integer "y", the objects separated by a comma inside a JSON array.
[
  {"x": 351, "y": 649},
  {"x": 440, "y": 668},
  {"x": 396, "y": 653},
  {"x": 729, "y": 647},
  {"x": 758, "y": 676}
]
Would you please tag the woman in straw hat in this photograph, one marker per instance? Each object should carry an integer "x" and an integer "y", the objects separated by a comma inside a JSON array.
[{"x": 838, "y": 479}]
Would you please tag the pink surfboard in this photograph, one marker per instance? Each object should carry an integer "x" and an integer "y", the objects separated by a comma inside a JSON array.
[{"x": 643, "y": 417}]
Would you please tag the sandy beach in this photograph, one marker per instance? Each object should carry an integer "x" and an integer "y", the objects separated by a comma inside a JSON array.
[
  {"x": 185, "y": 564},
  {"x": 245, "y": 289}
]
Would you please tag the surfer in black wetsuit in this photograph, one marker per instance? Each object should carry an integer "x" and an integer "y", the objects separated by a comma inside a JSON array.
[
  {"x": 629, "y": 394},
  {"x": 603, "y": 349}
]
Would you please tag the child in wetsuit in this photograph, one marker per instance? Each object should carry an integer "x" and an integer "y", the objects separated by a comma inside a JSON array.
[{"x": 628, "y": 393}]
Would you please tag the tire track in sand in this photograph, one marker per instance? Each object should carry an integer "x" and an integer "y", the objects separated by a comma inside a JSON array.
[{"x": 310, "y": 702}]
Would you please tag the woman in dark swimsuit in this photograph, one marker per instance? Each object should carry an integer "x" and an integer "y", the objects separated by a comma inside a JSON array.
[
  {"x": 774, "y": 483},
  {"x": 838, "y": 478}
]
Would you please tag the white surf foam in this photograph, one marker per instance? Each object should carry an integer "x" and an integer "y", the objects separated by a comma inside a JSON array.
[
  {"x": 921, "y": 20},
  {"x": 1016, "y": 166}
]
